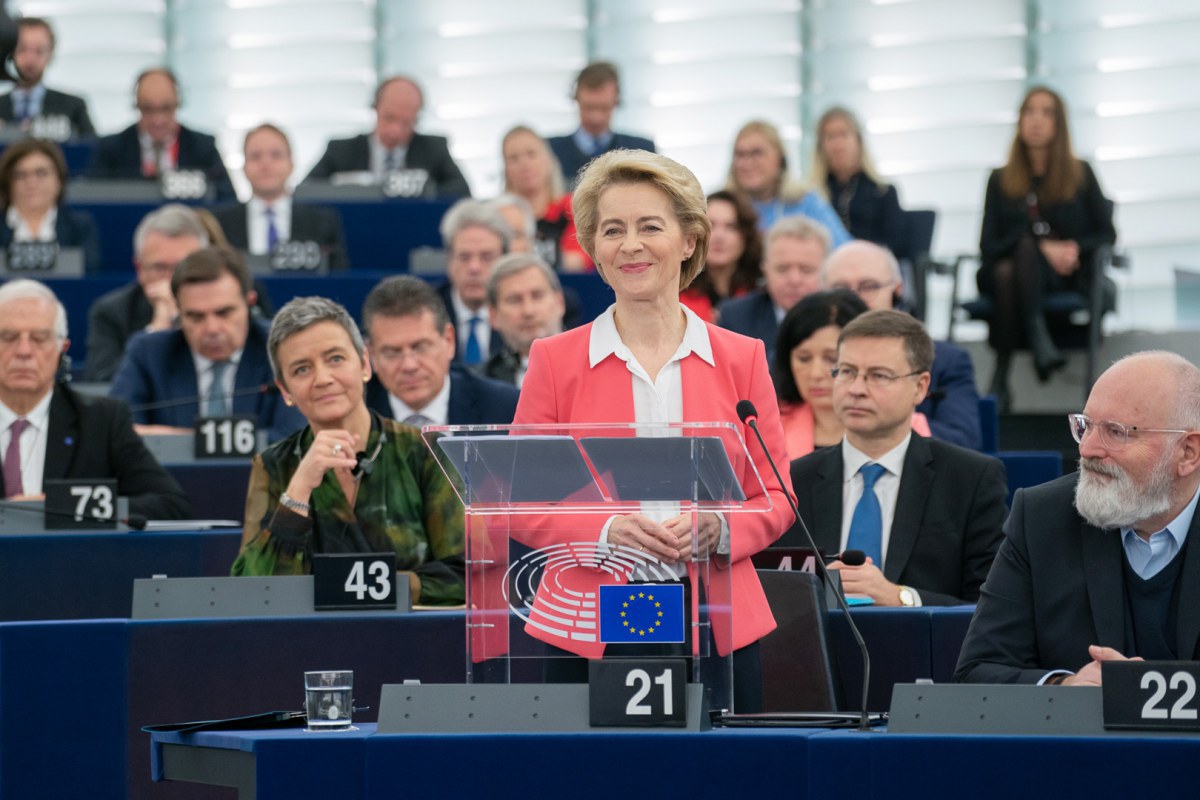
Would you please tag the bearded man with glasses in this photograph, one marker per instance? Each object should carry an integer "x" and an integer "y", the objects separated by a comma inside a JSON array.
[
  {"x": 927, "y": 513},
  {"x": 1096, "y": 565}
]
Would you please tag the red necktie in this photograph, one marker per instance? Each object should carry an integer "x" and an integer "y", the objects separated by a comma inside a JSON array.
[{"x": 12, "y": 459}]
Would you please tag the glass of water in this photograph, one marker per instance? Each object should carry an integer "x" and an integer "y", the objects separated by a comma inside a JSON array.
[{"x": 329, "y": 699}]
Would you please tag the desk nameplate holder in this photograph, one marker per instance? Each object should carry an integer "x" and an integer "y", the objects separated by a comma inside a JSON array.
[
  {"x": 506, "y": 708},
  {"x": 31, "y": 520},
  {"x": 999, "y": 710},
  {"x": 274, "y": 596},
  {"x": 180, "y": 448}
]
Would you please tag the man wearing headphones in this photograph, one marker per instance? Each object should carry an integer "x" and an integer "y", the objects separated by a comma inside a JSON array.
[
  {"x": 395, "y": 145},
  {"x": 157, "y": 143}
]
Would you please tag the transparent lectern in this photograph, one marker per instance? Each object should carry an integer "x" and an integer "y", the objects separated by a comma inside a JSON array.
[{"x": 543, "y": 585}]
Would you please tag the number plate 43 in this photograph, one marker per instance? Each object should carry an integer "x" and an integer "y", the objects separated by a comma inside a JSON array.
[
  {"x": 1151, "y": 694},
  {"x": 343, "y": 581}
]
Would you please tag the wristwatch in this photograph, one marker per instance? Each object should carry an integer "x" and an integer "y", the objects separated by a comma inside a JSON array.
[
  {"x": 294, "y": 505},
  {"x": 908, "y": 597}
]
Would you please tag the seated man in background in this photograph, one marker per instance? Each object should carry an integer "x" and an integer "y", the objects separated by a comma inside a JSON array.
[
  {"x": 214, "y": 365},
  {"x": 30, "y": 99},
  {"x": 49, "y": 432},
  {"x": 1100, "y": 565},
  {"x": 163, "y": 238},
  {"x": 474, "y": 234},
  {"x": 157, "y": 143},
  {"x": 272, "y": 216},
  {"x": 597, "y": 94},
  {"x": 411, "y": 344},
  {"x": 792, "y": 256},
  {"x": 525, "y": 302},
  {"x": 952, "y": 403},
  {"x": 394, "y": 144},
  {"x": 928, "y": 514}
]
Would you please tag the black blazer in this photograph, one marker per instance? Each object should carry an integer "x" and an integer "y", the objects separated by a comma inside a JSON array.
[
  {"x": 1056, "y": 587},
  {"x": 119, "y": 157},
  {"x": 474, "y": 399},
  {"x": 72, "y": 229},
  {"x": 873, "y": 214},
  {"x": 112, "y": 319},
  {"x": 948, "y": 520},
  {"x": 572, "y": 159},
  {"x": 430, "y": 153},
  {"x": 309, "y": 224},
  {"x": 93, "y": 437},
  {"x": 56, "y": 104},
  {"x": 752, "y": 315}
]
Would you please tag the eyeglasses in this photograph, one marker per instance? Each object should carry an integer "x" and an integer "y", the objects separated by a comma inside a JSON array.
[
  {"x": 41, "y": 173},
  {"x": 866, "y": 288},
  {"x": 873, "y": 378},
  {"x": 1114, "y": 435}
]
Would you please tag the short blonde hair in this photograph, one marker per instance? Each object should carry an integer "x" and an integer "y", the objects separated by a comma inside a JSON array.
[
  {"x": 640, "y": 166},
  {"x": 788, "y": 189}
]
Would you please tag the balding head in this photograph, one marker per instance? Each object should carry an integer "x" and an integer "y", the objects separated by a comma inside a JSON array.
[
  {"x": 868, "y": 270},
  {"x": 398, "y": 103}
]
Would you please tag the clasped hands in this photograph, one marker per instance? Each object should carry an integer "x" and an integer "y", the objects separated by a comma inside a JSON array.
[
  {"x": 1089, "y": 675},
  {"x": 669, "y": 541},
  {"x": 1061, "y": 254}
]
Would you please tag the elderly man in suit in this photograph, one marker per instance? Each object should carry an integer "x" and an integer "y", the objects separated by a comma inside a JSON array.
[
  {"x": 48, "y": 431},
  {"x": 928, "y": 514},
  {"x": 157, "y": 143},
  {"x": 395, "y": 144},
  {"x": 31, "y": 98},
  {"x": 475, "y": 234},
  {"x": 411, "y": 344},
  {"x": 597, "y": 94},
  {"x": 272, "y": 217},
  {"x": 215, "y": 364},
  {"x": 792, "y": 256},
  {"x": 1100, "y": 565}
]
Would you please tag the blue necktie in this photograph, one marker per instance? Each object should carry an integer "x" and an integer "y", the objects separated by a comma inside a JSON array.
[
  {"x": 474, "y": 353},
  {"x": 866, "y": 526},
  {"x": 272, "y": 231},
  {"x": 22, "y": 102},
  {"x": 215, "y": 405}
]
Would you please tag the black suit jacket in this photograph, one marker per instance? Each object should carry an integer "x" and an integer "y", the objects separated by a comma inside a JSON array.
[
  {"x": 572, "y": 159},
  {"x": 56, "y": 104},
  {"x": 309, "y": 224},
  {"x": 430, "y": 153},
  {"x": 752, "y": 315},
  {"x": 72, "y": 229},
  {"x": 119, "y": 157},
  {"x": 496, "y": 342},
  {"x": 947, "y": 524},
  {"x": 474, "y": 399},
  {"x": 1056, "y": 587},
  {"x": 93, "y": 437},
  {"x": 112, "y": 319}
]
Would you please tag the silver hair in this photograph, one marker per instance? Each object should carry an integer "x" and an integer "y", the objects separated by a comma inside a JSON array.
[
  {"x": 798, "y": 226},
  {"x": 300, "y": 314},
  {"x": 23, "y": 289},
  {"x": 513, "y": 263},
  {"x": 469, "y": 213},
  {"x": 852, "y": 251},
  {"x": 173, "y": 220},
  {"x": 1187, "y": 385},
  {"x": 520, "y": 204}
]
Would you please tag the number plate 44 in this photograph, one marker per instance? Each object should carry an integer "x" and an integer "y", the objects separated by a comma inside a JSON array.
[{"x": 1151, "y": 694}]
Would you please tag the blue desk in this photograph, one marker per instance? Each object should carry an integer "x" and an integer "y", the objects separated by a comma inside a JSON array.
[
  {"x": 216, "y": 489},
  {"x": 69, "y": 575}
]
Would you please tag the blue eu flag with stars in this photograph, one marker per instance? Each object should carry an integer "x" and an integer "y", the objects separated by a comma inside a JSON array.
[{"x": 642, "y": 612}]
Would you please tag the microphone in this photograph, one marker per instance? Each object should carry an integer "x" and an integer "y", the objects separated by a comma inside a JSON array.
[
  {"x": 749, "y": 416},
  {"x": 135, "y": 521},
  {"x": 262, "y": 388},
  {"x": 851, "y": 558}
]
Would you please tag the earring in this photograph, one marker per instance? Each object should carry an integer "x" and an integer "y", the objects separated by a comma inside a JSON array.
[
  {"x": 287, "y": 401},
  {"x": 366, "y": 378}
]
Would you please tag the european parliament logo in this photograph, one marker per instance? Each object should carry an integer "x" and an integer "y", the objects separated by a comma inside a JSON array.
[{"x": 642, "y": 612}]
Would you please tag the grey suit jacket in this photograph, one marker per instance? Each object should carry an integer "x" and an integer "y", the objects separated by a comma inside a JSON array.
[
  {"x": 948, "y": 520},
  {"x": 1057, "y": 586}
]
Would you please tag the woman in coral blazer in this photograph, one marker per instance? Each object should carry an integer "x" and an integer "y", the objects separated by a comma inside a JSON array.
[{"x": 644, "y": 221}]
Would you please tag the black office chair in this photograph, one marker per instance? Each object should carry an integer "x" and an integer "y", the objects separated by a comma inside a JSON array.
[
  {"x": 1075, "y": 319},
  {"x": 915, "y": 260},
  {"x": 796, "y": 664}
]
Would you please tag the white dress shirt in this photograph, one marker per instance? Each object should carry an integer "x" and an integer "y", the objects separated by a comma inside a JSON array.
[
  {"x": 437, "y": 411},
  {"x": 256, "y": 223},
  {"x": 33, "y": 442},
  {"x": 23, "y": 233},
  {"x": 483, "y": 329},
  {"x": 379, "y": 155},
  {"x": 887, "y": 488}
]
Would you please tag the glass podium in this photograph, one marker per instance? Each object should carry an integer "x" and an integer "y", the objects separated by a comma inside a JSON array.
[{"x": 545, "y": 587}]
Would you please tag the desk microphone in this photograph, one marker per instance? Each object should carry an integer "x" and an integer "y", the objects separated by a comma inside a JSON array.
[
  {"x": 262, "y": 388},
  {"x": 851, "y": 558},
  {"x": 749, "y": 416},
  {"x": 135, "y": 521}
]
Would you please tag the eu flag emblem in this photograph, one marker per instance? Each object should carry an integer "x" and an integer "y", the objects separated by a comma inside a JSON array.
[{"x": 641, "y": 612}]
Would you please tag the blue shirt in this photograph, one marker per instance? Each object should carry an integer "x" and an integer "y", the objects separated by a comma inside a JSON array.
[
  {"x": 812, "y": 206},
  {"x": 28, "y": 101},
  {"x": 1147, "y": 558},
  {"x": 592, "y": 145}
]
